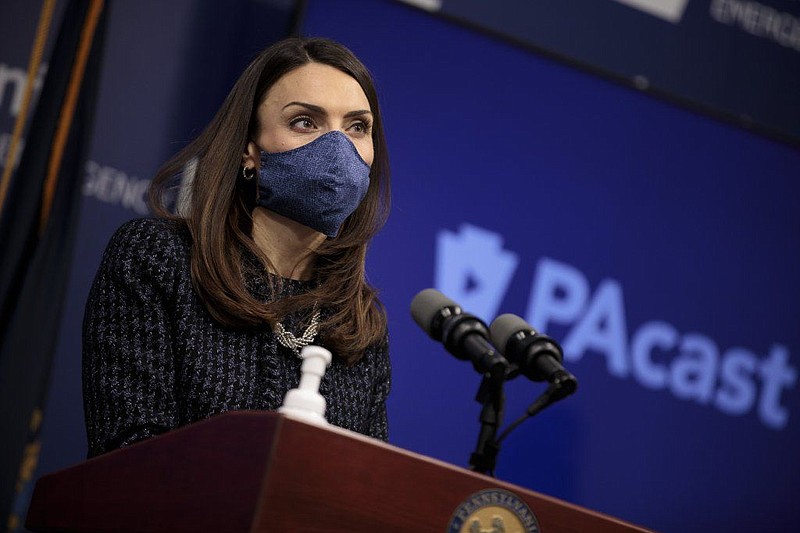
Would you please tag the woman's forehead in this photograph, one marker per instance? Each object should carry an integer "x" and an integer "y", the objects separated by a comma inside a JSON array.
[{"x": 318, "y": 84}]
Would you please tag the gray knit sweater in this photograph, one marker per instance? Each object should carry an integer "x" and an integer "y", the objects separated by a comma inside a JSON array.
[{"x": 154, "y": 359}]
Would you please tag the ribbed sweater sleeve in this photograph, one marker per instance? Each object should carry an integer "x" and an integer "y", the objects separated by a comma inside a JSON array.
[{"x": 128, "y": 367}]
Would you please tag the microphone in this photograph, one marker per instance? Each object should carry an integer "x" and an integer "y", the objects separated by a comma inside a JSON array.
[
  {"x": 538, "y": 356},
  {"x": 463, "y": 335}
]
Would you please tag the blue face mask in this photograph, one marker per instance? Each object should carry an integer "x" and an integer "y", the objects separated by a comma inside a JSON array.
[{"x": 319, "y": 184}]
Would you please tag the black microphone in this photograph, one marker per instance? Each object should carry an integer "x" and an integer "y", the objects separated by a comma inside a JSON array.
[
  {"x": 538, "y": 356},
  {"x": 463, "y": 335}
]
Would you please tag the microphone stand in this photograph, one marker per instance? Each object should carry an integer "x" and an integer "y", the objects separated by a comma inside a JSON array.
[{"x": 490, "y": 395}]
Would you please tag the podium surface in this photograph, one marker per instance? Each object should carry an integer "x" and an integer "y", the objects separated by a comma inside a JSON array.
[{"x": 253, "y": 471}]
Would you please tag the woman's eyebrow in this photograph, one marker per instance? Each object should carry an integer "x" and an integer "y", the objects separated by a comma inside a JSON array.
[
  {"x": 311, "y": 107},
  {"x": 321, "y": 110}
]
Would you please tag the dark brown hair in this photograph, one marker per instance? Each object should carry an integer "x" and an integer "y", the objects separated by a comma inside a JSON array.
[{"x": 219, "y": 211}]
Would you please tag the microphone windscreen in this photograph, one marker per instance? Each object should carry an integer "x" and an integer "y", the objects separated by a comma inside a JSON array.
[
  {"x": 426, "y": 304},
  {"x": 504, "y": 326}
]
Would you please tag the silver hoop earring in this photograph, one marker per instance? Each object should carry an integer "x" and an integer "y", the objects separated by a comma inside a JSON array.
[{"x": 250, "y": 175}]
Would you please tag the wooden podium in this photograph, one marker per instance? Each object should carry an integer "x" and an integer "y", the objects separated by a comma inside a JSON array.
[{"x": 251, "y": 471}]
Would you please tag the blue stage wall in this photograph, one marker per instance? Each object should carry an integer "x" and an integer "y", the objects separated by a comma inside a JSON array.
[{"x": 659, "y": 246}]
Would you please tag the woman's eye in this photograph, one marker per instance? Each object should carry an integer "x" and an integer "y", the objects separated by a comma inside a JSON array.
[
  {"x": 304, "y": 123},
  {"x": 360, "y": 127}
]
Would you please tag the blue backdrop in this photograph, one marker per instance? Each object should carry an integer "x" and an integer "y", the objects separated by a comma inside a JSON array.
[{"x": 657, "y": 245}]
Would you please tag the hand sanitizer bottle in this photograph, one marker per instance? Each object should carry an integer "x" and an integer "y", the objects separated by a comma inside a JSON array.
[{"x": 305, "y": 402}]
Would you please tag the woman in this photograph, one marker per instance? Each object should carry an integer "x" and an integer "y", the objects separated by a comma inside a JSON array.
[{"x": 191, "y": 315}]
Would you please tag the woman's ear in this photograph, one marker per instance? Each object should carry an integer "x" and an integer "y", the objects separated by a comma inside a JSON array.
[{"x": 251, "y": 156}]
